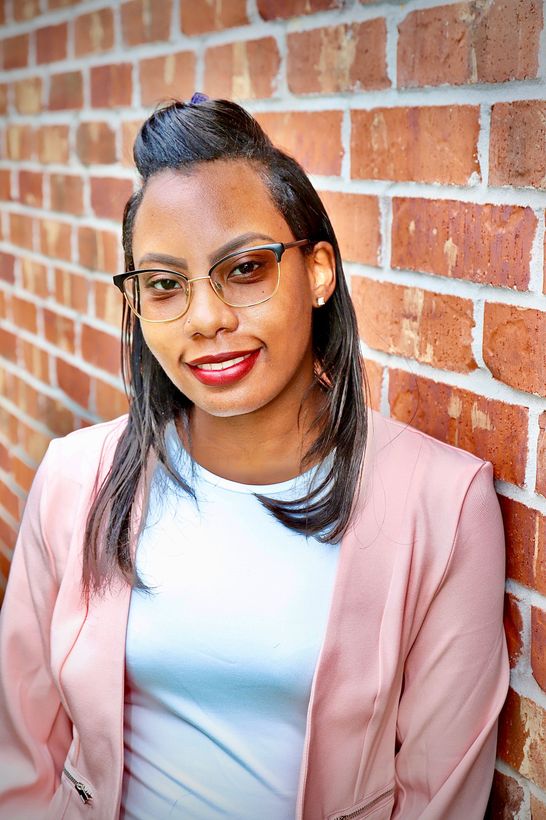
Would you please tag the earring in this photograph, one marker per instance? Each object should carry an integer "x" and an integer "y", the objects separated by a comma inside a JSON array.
[{"x": 320, "y": 301}]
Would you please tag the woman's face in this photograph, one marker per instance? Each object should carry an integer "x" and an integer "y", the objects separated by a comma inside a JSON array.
[{"x": 190, "y": 216}]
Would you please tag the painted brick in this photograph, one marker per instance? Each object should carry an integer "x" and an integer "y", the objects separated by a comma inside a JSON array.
[
  {"x": 109, "y": 195},
  {"x": 101, "y": 349},
  {"x": 420, "y": 144},
  {"x": 513, "y": 627},
  {"x": 201, "y": 16},
  {"x": 66, "y": 192},
  {"x": 488, "y": 244},
  {"x": 71, "y": 290},
  {"x": 21, "y": 230},
  {"x": 15, "y": 52},
  {"x": 432, "y": 328},
  {"x": 245, "y": 69},
  {"x": 506, "y": 797},
  {"x": 541, "y": 455},
  {"x": 469, "y": 43},
  {"x": 144, "y": 21},
  {"x": 311, "y": 137},
  {"x": 28, "y": 95},
  {"x": 522, "y": 731},
  {"x": 59, "y": 330},
  {"x": 514, "y": 345},
  {"x": 31, "y": 188},
  {"x": 34, "y": 277},
  {"x": 98, "y": 250},
  {"x": 94, "y": 32},
  {"x": 166, "y": 77},
  {"x": 525, "y": 530},
  {"x": 66, "y": 91},
  {"x": 26, "y": 10},
  {"x": 355, "y": 219},
  {"x": 51, "y": 43},
  {"x": 56, "y": 239},
  {"x": 53, "y": 144},
  {"x": 349, "y": 57},
  {"x": 491, "y": 429},
  {"x": 20, "y": 142},
  {"x": 110, "y": 402},
  {"x": 96, "y": 143},
  {"x": 273, "y": 9},
  {"x": 538, "y": 645},
  {"x": 516, "y": 147},
  {"x": 73, "y": 382},
  {"x": 24, "y": 314},
  {"x": 111, "y": 85}
]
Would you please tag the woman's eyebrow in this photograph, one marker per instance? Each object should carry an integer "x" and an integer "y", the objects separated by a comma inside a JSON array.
[{"x": 223, "y": 250}]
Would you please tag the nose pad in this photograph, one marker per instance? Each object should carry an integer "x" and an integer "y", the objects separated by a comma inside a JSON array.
[{"x": 207, "y": 313}]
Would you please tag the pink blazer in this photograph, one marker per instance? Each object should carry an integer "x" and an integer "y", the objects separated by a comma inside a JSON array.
[{"x": 411, "y": 676}]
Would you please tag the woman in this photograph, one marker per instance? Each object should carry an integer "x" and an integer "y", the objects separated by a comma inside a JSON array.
[{"x": 253, "y": 596}]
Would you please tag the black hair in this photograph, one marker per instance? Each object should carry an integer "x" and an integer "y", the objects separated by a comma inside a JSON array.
[{"x": 180, "y": 136}]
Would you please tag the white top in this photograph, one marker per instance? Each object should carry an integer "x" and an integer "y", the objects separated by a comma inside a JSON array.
[{"x": 220, "y": 658}]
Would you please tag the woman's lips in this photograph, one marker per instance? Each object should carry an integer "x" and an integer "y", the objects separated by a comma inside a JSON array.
[{"x": 226, "y": 371}]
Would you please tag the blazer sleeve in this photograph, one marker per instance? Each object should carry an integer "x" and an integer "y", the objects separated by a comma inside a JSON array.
[
  {"x": 35, "y": 731},
  {"x": 456, "y": 674}
]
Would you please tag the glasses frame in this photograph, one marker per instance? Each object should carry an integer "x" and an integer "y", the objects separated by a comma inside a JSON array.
[{"x": 277, "y": 247}]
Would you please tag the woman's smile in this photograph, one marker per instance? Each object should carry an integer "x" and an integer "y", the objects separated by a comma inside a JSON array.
[{"x": 225, "y": 368}]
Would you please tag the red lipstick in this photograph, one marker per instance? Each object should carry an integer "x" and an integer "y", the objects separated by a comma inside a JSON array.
[{"x": 224, "y": 368}]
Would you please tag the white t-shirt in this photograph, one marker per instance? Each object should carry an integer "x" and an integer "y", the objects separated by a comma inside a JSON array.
[{"x": 220, "y": 657}]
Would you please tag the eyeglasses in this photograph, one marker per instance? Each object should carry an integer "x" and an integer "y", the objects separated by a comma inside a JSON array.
[{"x": 240, "y": 279}]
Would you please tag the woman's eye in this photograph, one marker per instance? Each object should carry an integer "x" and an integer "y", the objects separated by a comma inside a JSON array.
[
  {"x": 164, "y": 284},
  {"x": 244, "y": 269}
]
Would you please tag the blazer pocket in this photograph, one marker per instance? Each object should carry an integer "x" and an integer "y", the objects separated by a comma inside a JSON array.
[
  {"x": 375, "y": 806},
  {"x": 78, "y": 783}
]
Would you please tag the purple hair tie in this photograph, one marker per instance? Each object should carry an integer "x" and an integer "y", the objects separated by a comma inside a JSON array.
[{"x": 198, "y": 98}]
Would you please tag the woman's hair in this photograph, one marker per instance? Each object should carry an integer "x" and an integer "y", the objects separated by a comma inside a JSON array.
[{"x": 181, "y": 136}]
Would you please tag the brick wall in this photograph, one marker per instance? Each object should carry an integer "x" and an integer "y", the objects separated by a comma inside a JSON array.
[{"x": 423, "y": 127}]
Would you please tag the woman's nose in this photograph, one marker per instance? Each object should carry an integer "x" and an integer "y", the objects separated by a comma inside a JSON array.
[{"x": 207, "y": 314}]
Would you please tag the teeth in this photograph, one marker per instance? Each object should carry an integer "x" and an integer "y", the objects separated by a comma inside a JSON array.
[{"x": 222, "y": 365}]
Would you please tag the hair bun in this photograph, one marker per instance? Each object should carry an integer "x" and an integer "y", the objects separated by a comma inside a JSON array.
[{"x": 198, "y": 97}]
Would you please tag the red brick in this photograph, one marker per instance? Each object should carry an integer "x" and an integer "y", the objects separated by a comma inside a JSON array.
[
  {"x": 35, "y": 359},
  {"x": 5, "y": 459},
  {"x": 513, "y": 627},
  {"x": 333, "y": 59},
  {"x": 26, "y": 9},
  {"x": 469, "y": 42},
  {"x": 355, "y": 219},
  {"x": 98, "y": 250},
  {"x": 101, "y": 349},
  {"x": 518, "y": 136},
  {"x": 24, "y": 314},
  {"x": 20, "y": 142},
  {"x": 96, "y": 143},
  {"x": 245, "y": 70},
  {"x": 110, "y": 402},
  {"x": 430, "y": 327},
  {"x": 94, "y": 32},
  {"x": 30, "y": 188},
  {"x": 111, "y": 85},
  {"x": 7, "y": 261},
  {"x": 538, "y": 645},
  {"x": 418, "y": 144},
  {"x": 541, "y": 455},
  {"x": 491, "y": 429},
  {"x": 373, "y": 376},
  {"x": 201, "y": 16},
  {"x": 488, "y": 244},
  {"x": 61, "y": 4},
  {"x": 129, "y": 130},
  {"x": 66, "y": 91},
  {"x": 9, "y": 500},
  {"x": 522, "y": 729},
  {"x": 3, "y": 98},
  {"x": 51, "y": 43},
  {"x": 273, "y": 9},
  {"x": 71, "y": 290},
  {"x": 22, "y": 474},
  {"x": 26, "y": 398},
  {"x": 74, "y": 382},
  {"x": 56, "y": 416},
  {"x": 143, "y": 21},
  {"x": 53, "y": 144},
  {"x": 108, "y": 303},
  {"x": 538, "y": 808},
  {"x": 506, "y": 797},
  {"x": 15, "y": 52},
  {"x": 171, "y": 76},
  {"x": 525, "y": 530},
  {"x": 34, "y": 276},
  {"x": 109, "y": 195},
  {"x": 8, "y": 344},
  {"x": 56, "y": 239},
  {"x": 5, "y": 184},
  {"x": 514, "y": 345},
  {"x": 66, "y": 191},
  {"x": 28, "y": 95},
  {"x": 311, "y": 137},
  {"x": 59, "y": 330},
  {"x": 21, "y": 230}
]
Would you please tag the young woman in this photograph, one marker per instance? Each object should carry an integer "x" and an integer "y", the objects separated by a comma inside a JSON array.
[{"x": 252, "y": 596}]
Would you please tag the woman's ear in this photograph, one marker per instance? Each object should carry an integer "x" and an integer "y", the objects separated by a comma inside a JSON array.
[{"x": 321, "y": 266}]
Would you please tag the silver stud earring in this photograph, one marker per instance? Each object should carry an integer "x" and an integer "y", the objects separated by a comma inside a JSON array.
[{"x": 320, "y": 301}]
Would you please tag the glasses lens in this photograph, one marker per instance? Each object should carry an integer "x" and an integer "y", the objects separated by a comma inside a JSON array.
[
  {"x": 157, "y": 295},
  {"x": 248, "y": 278}
]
